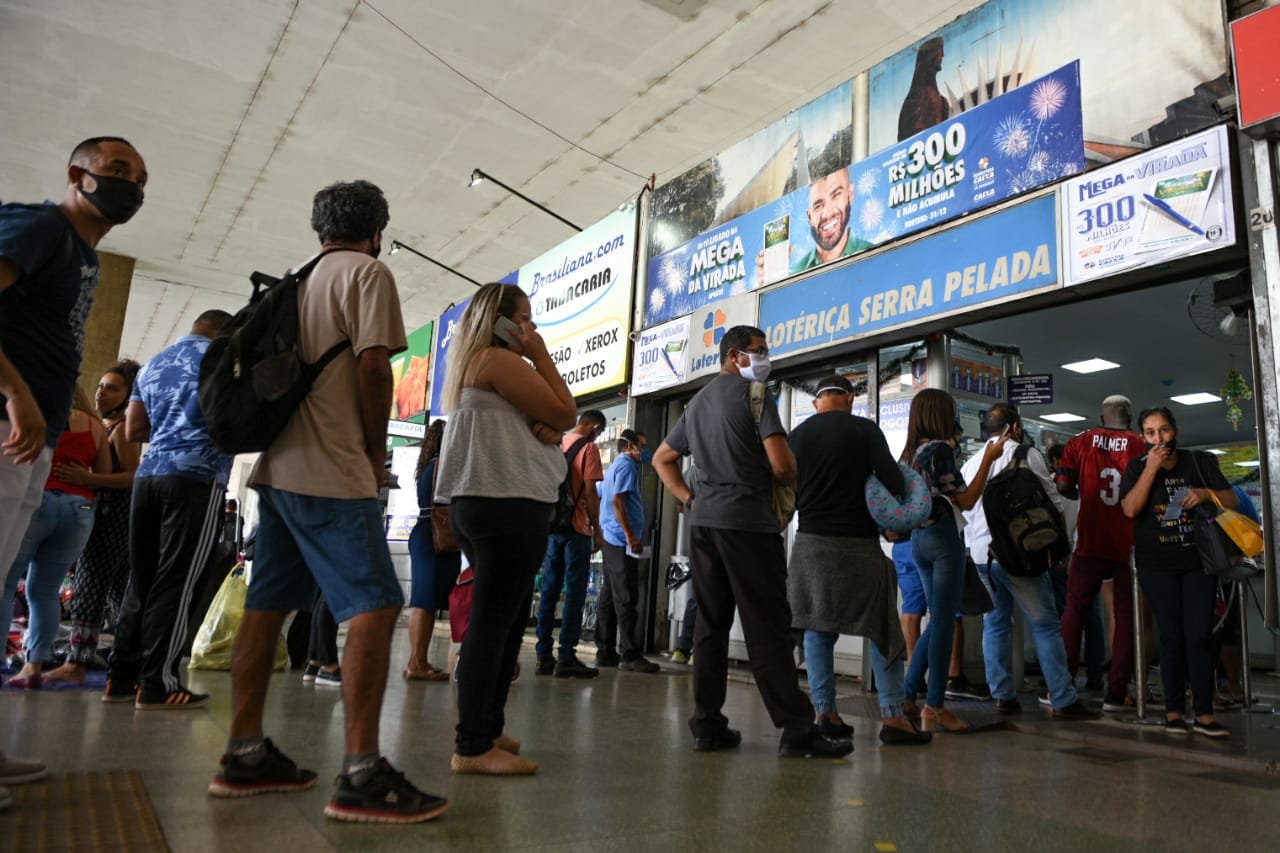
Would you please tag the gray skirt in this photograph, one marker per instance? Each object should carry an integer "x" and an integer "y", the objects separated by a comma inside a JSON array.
[{"x": 845, "y": 586}]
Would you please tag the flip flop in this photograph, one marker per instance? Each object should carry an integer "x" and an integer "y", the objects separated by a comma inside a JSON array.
[{"x": 428, "y": 674}]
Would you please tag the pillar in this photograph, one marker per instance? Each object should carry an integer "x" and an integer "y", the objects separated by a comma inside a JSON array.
[{"x": 106, "y": 321}]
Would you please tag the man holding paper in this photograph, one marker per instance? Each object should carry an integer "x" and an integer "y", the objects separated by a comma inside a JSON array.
[{"x": 621, "y": 527}]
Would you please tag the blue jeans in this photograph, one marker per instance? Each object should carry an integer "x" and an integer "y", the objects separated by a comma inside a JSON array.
[
  {"x": 938, "y": 553},
  {"x": 819, "y": 661},
  {"x": 57, "y": 534},
  {"x": 1034, "y": 597},
  {"x": 567, "y": 567}
]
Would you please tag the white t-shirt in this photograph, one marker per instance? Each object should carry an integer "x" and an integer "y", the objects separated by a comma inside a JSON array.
[{"x": 976, "y": 533}]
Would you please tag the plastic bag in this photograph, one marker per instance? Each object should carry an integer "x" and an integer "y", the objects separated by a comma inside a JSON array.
[{"x": 217, "y": 635}]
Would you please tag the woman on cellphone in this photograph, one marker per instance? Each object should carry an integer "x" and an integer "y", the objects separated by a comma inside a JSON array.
[
  {"x": 500, "y": 470},
  {"x": 1159, "y": 491},
  {"x": 938, "y": 547}
]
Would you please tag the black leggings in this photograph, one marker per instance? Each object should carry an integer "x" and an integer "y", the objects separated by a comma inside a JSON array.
[
  {"x": 1184, "y": 604},
  {"x": 505, "y": 540},
  {"x": 323, "y": 647}
]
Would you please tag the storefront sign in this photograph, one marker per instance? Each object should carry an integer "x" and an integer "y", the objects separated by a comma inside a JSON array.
[
  {"x": 580, "y": 293},
  {"x": 1031, "y": 389},
  {"x": 446, "y": 326},
  {"x": 1026, "y": 139},
  {"x": 708, "y": 327},
  {"x": 1168, "y": 203},
  {"x": 660, "y": 358},
  {"x": 1008, "y": 254},
  {"x": 1253, "y": 44}
]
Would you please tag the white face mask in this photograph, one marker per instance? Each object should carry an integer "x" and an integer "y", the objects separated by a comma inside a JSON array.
[{"x": 758, "y": 370}]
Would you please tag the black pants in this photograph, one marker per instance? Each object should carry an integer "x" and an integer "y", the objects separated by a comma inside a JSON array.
[
  {"x": 750, "y": 570},
  {"x": 504, "y": 540},
  {"x": 323, "y": 648},
  {"x": 172, "y": 529},
  {"x": 1184, "y": 604},
  {"x": 617, "y": 607},
  {"x": 685, "y": 641}
]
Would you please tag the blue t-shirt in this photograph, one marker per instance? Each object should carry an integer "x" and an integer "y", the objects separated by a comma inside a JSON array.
[
  {"x": 42, "y": 316},
  {"x": 622, "y": 478},
  {"x": 180, "y": 444}
]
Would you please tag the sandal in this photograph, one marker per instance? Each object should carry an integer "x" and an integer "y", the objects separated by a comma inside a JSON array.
[
  {"x": 942, "y": 720},
  {"x": 428, "y": 674}
]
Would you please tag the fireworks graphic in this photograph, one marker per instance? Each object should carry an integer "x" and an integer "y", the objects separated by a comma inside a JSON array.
[
  {"x": 871, "y": 215},
  {"x": 867, "y": 182},
  {"x": 882, "y": 236},
  {"x": 1039, "y": 161},
  {"x": 657, "y": 300},
  {"x": 1012, "y": 136},
  {"x": 671, "y": 277},
  {"x": 1047, "y": 98},
  {"x": 1023, "y": 181}
]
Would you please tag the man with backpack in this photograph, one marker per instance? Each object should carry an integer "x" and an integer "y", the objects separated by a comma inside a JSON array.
[
  {"x": 48, "y": 272},
  {"x": 575, "y": 534},
  {"x": 1014, "y": 531},
  {"x": 320, "y": 522}
]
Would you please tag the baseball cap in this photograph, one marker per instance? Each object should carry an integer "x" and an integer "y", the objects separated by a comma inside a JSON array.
[{"x": 835, "y": 382}]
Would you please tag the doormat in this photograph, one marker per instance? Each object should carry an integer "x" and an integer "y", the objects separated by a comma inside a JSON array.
[{"x": 106, "y": 810}]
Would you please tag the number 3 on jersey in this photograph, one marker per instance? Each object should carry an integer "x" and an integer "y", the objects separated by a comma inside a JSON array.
[{"x": 1110, "y": 491}]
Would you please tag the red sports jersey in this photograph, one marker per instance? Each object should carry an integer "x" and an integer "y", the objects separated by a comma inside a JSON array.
[{"x": 1098, "y": 459}]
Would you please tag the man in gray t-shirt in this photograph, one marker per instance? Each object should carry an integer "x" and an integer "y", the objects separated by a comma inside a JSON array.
[{"x": 736, "y": 552}]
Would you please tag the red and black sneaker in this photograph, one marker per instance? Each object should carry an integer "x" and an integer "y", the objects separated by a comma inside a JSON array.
[
  {"x": 275, "y": 773},
  {"x": 181, "y": 699},
  {"x": 383, "y": 795},
  {"x": 119, "y": 691}
]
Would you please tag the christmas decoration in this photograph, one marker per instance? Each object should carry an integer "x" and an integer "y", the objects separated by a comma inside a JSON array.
[{"x": 1235, "y": 390}]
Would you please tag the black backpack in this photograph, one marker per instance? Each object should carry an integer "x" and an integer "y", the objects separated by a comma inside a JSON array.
[
  {"x": 1028, "y": 533},
  {"x": 253, "y": 378},
  {"x": 567, "y": 502}
]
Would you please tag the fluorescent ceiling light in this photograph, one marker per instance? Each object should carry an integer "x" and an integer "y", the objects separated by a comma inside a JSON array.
[
  {"x": 1090, "y": 365},
  {"x": 1197, "y": 399},
  {"x": 1217, "y": 452},
  {"x": 1063, "y": 418},
  {"x": 1253, "y": 464}
]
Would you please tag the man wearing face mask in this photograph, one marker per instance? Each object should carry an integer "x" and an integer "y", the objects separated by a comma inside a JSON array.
[
  {"x": 48, "y": 272},
  {"x": 736, "y": 551},
  {"x": 622, "y": 527}
]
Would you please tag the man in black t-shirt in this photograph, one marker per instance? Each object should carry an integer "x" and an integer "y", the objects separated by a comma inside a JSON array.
[
  {"x": 48, "y": 271},
  {"x": 736, "y": 553},
  {"x": 839, "y": 581}
]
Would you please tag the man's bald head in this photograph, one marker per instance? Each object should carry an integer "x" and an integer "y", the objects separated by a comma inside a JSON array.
[{"x": 1117, "y": 412}]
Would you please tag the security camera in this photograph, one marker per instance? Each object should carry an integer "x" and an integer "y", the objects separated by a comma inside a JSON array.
[{"x": 1225, "y": 106}]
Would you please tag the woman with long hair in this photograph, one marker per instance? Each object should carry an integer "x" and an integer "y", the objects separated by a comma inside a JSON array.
[
  {"x": 1160, "y": 491},
  {"x": 937, "y": 548},
  {"x": 434, "y": 573},
  {"x": 102, "y": 571},
  {"x": 500, "y": 470},
  {"x": 56, "y": 536}
]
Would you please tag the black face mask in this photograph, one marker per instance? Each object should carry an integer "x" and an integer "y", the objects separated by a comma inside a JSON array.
[
  {"x": 1172, "y": 444},
  {"x": 377, "y": 249},
  {"x": 117, "y": 199}
]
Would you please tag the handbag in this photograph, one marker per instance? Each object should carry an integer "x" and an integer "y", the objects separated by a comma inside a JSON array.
[
  {"x": 975, "y": 600},
  {"x": 1220, "y": 554},
  {"x": 442, "y": 537}
]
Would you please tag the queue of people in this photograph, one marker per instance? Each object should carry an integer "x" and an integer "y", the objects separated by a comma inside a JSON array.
[{"x": 519, "y": 477}]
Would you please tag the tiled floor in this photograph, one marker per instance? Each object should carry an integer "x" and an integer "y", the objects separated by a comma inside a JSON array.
[{"x": 617, "y": 774}]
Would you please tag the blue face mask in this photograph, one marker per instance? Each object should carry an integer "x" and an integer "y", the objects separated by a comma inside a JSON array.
[{"x": 646, "y": 456}]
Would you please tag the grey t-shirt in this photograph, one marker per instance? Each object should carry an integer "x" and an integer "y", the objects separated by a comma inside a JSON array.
[{"x": 735, "y": 480}]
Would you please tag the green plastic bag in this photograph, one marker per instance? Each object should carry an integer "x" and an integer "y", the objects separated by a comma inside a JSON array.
[{"x": 217, "y": 635}]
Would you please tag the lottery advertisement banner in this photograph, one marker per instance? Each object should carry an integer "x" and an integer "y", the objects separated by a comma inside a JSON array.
[
  {"x": 660, "y": 358},
  {"x": 1025, "y": 139},
  {"x": 1170, "y": 202},
  {"x": 447, "y": 325},
  {"x": 411, "y": 371}
]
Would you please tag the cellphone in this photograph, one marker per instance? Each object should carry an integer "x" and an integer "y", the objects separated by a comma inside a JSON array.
[{"x": 507, "y": 331}]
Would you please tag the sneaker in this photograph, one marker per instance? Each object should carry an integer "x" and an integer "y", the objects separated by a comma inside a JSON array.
[
  {"x": 1177, "y": 726},
  {"x": 574, "y": 668},
  {"x": 383, "y": 796},
  {"x": 832, "y": 729},
  {"x": 639, "y": 665},
  {"x": 1077, "y": 710},
  {"x": 181, "y": 699},
  {"x": 727, "y": 739},
  {"x": 1008, "y": 706},
  {"x": 326, "y": 678},
  {"x": 610, "y": 659},
  {"x": 814, "y": 744},
  {"x": 546, "y": 666},
  {"x": 1114, "y": 702},
  {"x": 119, "y": 691},
  {"x": 15, "y": 771},
  {"x": 309, "y": 673},
  {"x": 1045, "y": 701},
  {"x": 681, "y": 657},
  {"x": 959, "y": 687},
  {"x": 890, "y": 736},
  {"x": 1214, "y": 729},
  {"x": 275, "y": 773}
]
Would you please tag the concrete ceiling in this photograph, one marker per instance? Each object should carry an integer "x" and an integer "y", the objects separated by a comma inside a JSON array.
[{"x": 244, "y": 108}]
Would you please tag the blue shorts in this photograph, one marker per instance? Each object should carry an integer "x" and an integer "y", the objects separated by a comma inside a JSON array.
[
  {"x": 336, "y": 543},
  {"x": 913, "y": 601}
]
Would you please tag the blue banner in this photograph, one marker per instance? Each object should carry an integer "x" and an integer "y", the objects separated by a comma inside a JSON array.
[
  {"x": 445, "y": 328},
  {"x": 991, "y": 259},
  {"x": 1024, "y": 139}
]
